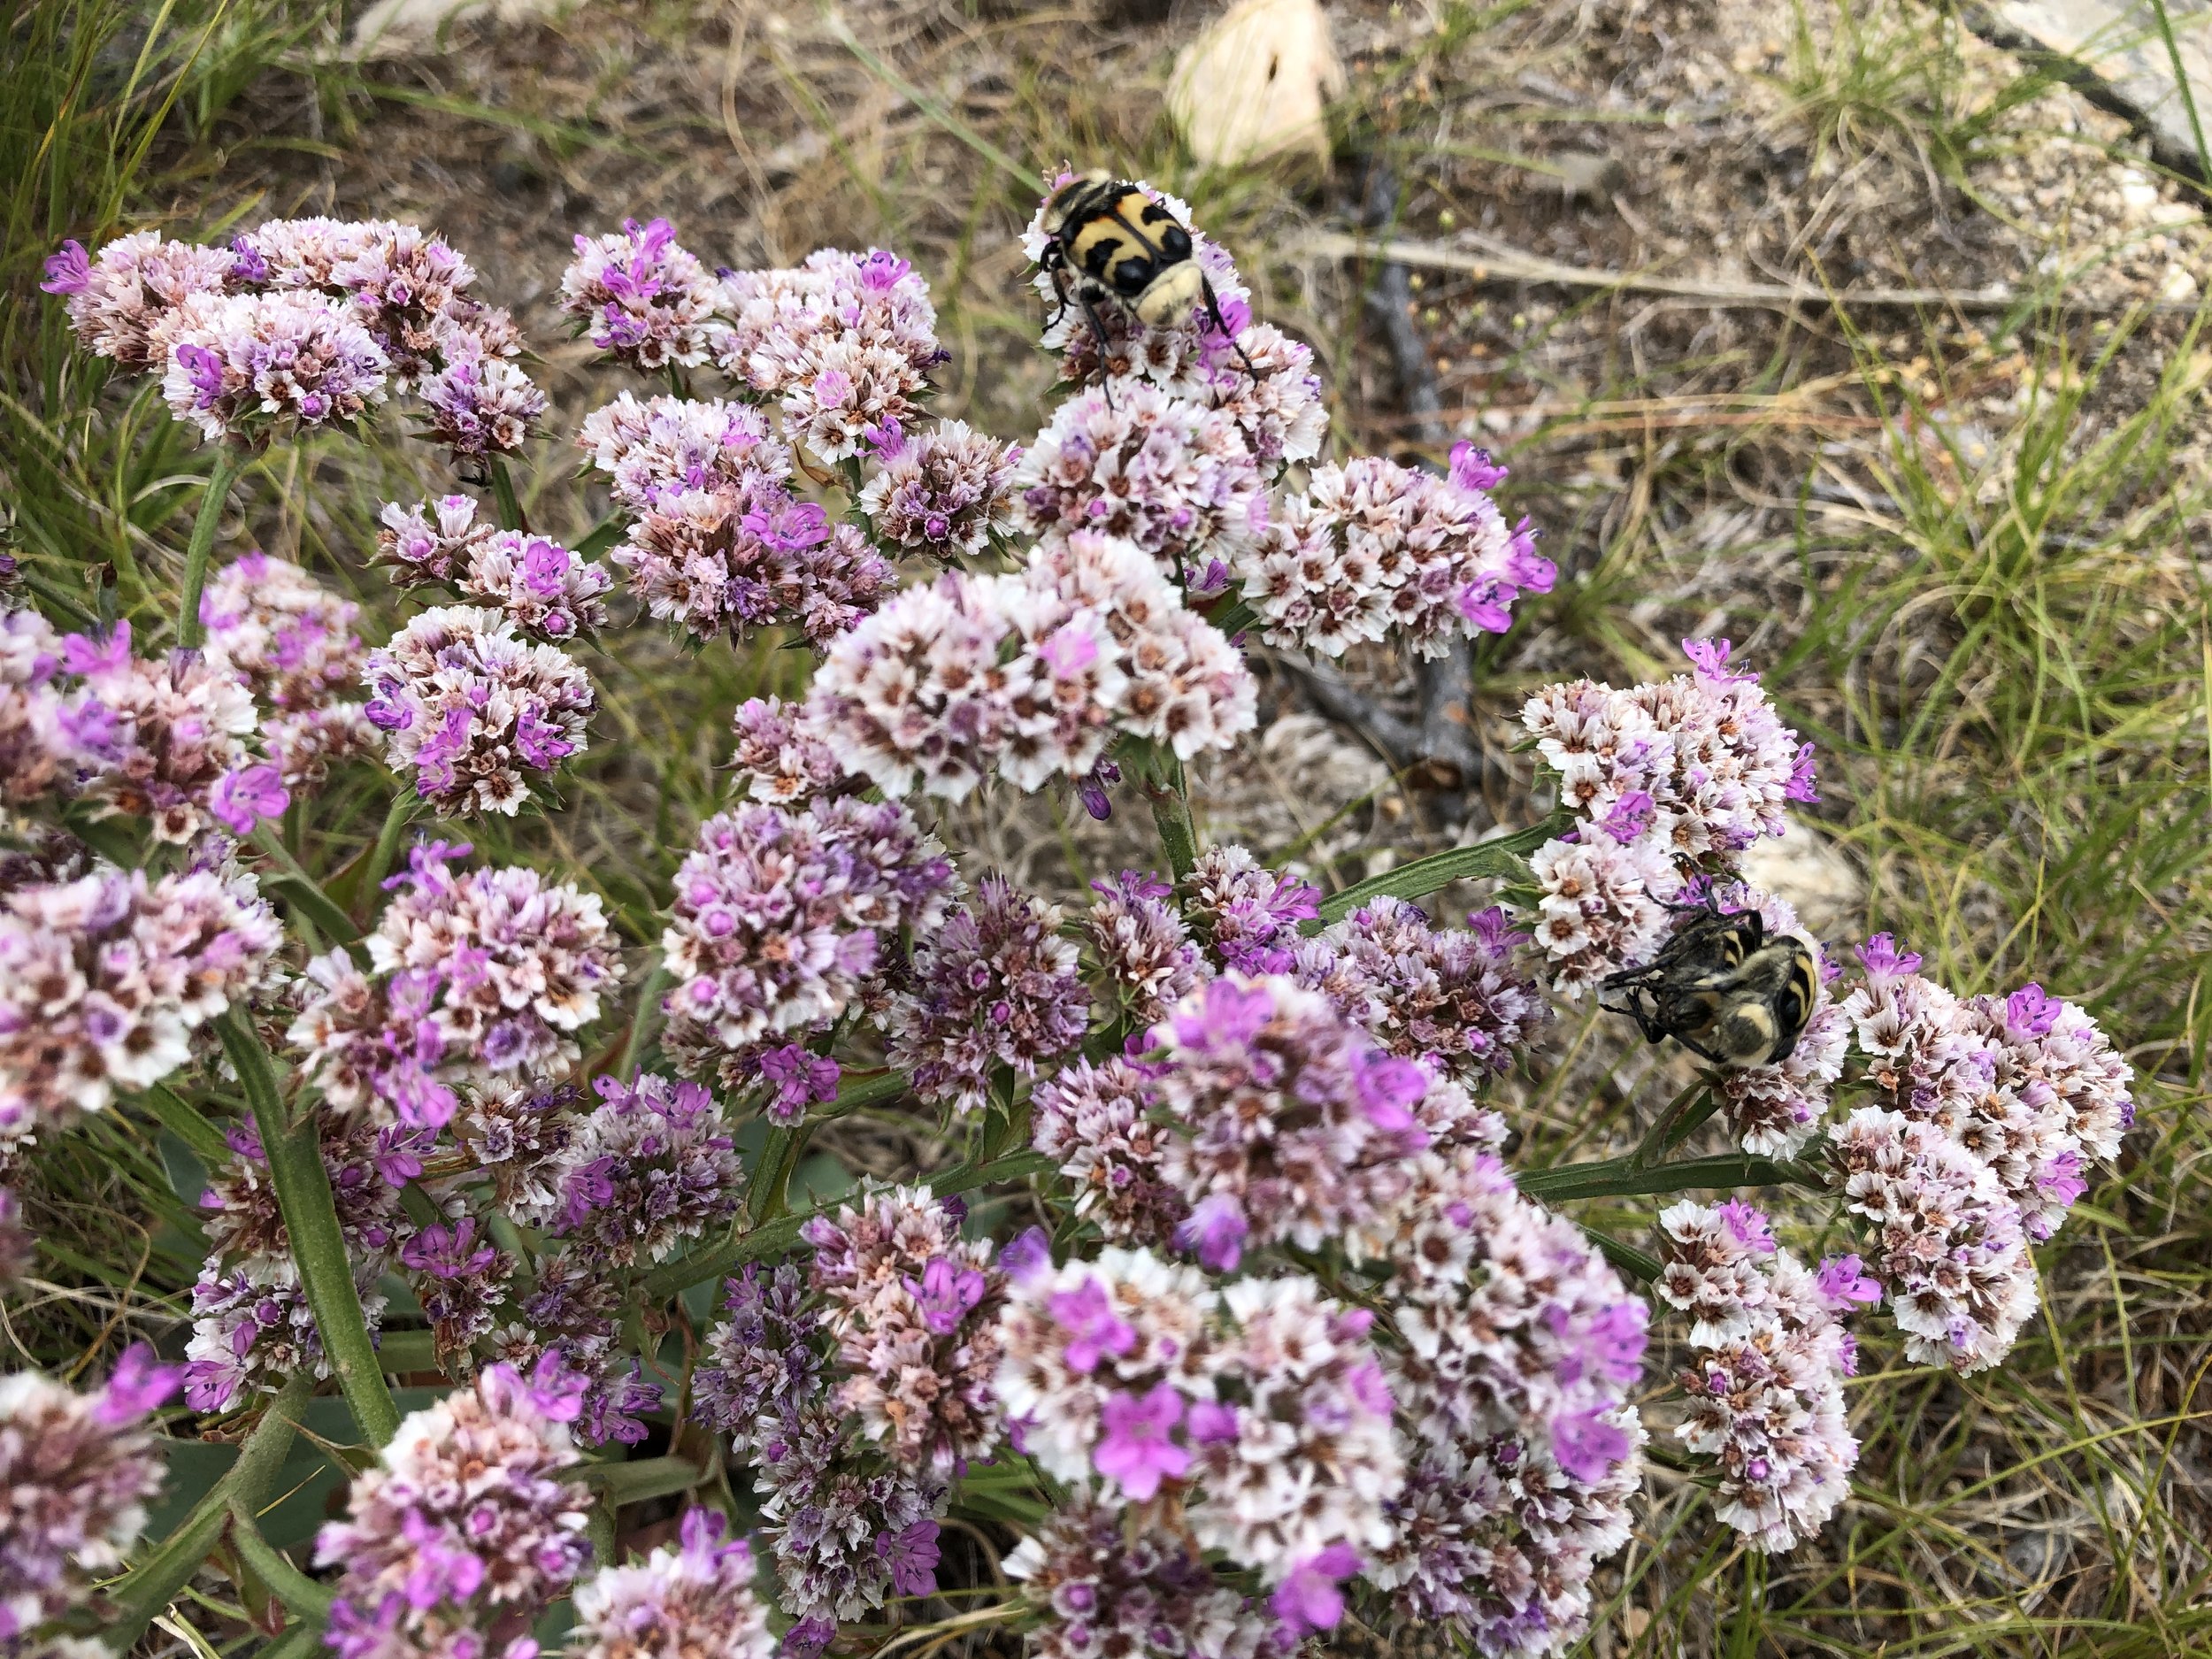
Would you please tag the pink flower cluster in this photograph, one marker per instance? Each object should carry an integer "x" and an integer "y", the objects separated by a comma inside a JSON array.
[
  {"x": 1296, "y": 1127},
  {"x": 1143, "y": 945},
  {"x": 465, "y": 1518},
  {"x": 1262, "y": 1407},
  {"x": 1374, "y": 548},
  {"x": 474, "y": 709},
  {"x": 844, "y": 343},
  {"x": 308, "y": 321},
  {"x": 782, "y": 914},
  {"x": 1028, "y": 675},
  {"x": 995, "y": 996},
  {"x": 651, "y": 1167},
  {"x": 1516, "y": 1348},
  {"x": 546, "y": 591},
  {"x": 696, "y": 1599},
  {"x": 1175, "y": 478},
  {"x": 945, "y": 491},
  {"x": 291, "y": 640},
  {"x": 1987, "y": 1115},
  {"x": 665, "y": 446},
  {"x": 472, "y": 976},
  {"x": 913, "y": 1307},
  {"x": 161, "y": 742},
  {"x": 103, "y": 979},
  {"x": 1670, "y": 781},
  {"x": 77, "y": 1471},
  {"x": 1764, "y": 1384},
  {"x": 641, "y": 296},
  {"x": 780, "y": 761},
  {"x": 1099, "y": 1122}
]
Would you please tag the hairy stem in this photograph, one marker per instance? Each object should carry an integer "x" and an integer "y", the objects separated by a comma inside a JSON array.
[
  {"x": 503, "y": 495},
  {"x": 1171, "y": 815},
  {"x": 318, "y": 1247},
  {"x": 140, "y": 1595},
  {"x": 228, "y": 463},
  {"x": 396, "y": 818}
]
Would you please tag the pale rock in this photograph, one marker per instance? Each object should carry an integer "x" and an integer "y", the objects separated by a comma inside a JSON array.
[{"x": 1257, "y": 83}]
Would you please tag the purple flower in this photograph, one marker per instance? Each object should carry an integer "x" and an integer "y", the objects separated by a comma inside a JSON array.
[
  {"x": 1585, "y": 1445},
  {"x": 1028, "y": 1253},
  {"x": 1212, "y": 1423},
  {"x": 1842, "y": 1282},
  {"x": 799, "y": 1079},
  {"x": 1216, "y": 1229},
  {"x": 1312, "y": 1598},
  {"x": 947, "y": 1293},
  {"x": 1631, "y": 817},
  {"x": 1473, "y": 469},
  {"x": 243, "y": 797},
  {"x": 1094, "y": 1330},
  {"x": 68, "y": 272},
  {"x": 135, "y": 1386},
  {"x": 912, "y": 1556},
  {"x": 1709, "y": 658},
  {"x": 2032, "y": 1013},
  {"x": 809, "y": 1637},
  {"x": 1389, "y": 1087},
  {"x": 1135, "y": 1447}
]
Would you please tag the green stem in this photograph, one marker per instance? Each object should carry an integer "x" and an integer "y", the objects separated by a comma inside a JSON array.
[
  {"x": 304, "y": 1597},
  {"x": 1170, "y": 816},
  {"x": 1618, "y": 1177},
  {"x": 641, "y": 1023},
  {"x": 1655, "y": 1141},
  {"x": 504, "y": 493},
  {"x": 401, "y": 813},
  {"x": 140, "y": 1594},
  {"x": 183, "y": 1120},
  {"x": 228, "y": 465},
  {"x": 318, "y": 1247}
]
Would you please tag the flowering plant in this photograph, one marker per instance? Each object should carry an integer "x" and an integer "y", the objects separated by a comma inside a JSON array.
[{"x": 1229, "y": 1312}]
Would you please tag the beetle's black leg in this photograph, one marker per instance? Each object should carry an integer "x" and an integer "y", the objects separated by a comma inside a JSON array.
[
  {"x": 1221, "y": 324},
  {"x": 1098, "y": 328},
  {"x": 1056, "y": 264}
]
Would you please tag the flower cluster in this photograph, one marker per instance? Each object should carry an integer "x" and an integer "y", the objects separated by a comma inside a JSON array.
[
  {"x": 1175, "y": 478},
  {"x": 1142, "y": 944},
  {"x": 694, "y": 1600},
  {"x": 473, "y": 710},
  {"x": 1262, "y": 1405},
  {"x": 911, "y": 1307},
  {"x": 782, "y": 914},
  {"x": 1668, "y": 782},
  {"x": 665, "y": 446},
  {"x": 291, "y": 641},
  {"x": 1027, "y": 675},
  {"x": 105, "y": 978},
  {"x": 779, "y": 760},
  {"x": 762, "y": 1362},
  {"x": 996, "y": 992},
  {"x": 651, "y": 1167},
  {"x": 1100, "y": 1123},
  {"x": 1764, "y": 1384},
  {"x": 1373, "y": 548},
  {"x": 77, "y": 1471},
  {"x": 464, "y": 1517},
  {"x": 945, "y": 491},
  {"x": 544, "y": 590},
  {"x": 471, "y": 977},
  {"x": 1451, "y": 996},
  {"x": 1149, "y": 1596},
  {"x": 845, "y": 344},
  {"x": 1517, "y": 1348},
  {"x": 1296, "y": 1126},
  {"x": 307, "y": 322},
  {"x": 643, "y": 298}
]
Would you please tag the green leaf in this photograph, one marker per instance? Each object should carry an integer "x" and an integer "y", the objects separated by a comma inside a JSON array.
[
  {"x": 634, "y": 1482},
  {"x": 1619, "y": 1178},
  {"x": 1506, "y": 857}
]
